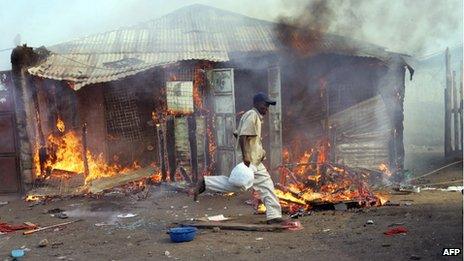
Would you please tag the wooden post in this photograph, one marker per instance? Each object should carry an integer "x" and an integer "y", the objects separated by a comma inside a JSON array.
[
  {"x": 455, "y": 113},
  {"x": 447, "y": 105},
  {"x": 44, "y": 172},
  {"x": 192, "y": 129},
  {"x": 84, "y": 149},
  {"x": 275, "y": 120},
  {"x": 460, "y": 109},
  {"x": 170, "y": 147},
  {"x": 161, "y": 155}
]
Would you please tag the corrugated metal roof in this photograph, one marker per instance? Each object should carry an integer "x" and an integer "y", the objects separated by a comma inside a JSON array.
[{"x": 190, "y": 33}]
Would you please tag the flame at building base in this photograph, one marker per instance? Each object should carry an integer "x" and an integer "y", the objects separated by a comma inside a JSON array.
[{"x": 64, "y": 151}]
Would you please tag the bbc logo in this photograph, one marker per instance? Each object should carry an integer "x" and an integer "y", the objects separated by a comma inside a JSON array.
[{"x": 451, "y": 251}]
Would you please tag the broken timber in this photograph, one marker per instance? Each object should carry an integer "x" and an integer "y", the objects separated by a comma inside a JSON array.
[
  {"x": 235, "y": 226},
  {"x": 99, "y": 185}
]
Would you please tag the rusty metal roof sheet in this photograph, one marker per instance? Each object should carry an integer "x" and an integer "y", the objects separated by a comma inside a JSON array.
[{"x": 195, "y": 32}]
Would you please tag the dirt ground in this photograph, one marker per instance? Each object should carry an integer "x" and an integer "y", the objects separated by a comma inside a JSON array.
[{"x": 433, "y": 218}]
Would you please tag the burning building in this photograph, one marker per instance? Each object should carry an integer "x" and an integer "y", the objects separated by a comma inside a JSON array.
[{"x": 168, "y": 93}]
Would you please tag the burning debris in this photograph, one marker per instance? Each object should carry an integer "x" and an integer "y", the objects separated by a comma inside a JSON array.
[{"x": 321, "y": 184}]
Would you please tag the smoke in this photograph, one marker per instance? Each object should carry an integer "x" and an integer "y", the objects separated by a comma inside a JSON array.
[{"x": 413, "y": 27}]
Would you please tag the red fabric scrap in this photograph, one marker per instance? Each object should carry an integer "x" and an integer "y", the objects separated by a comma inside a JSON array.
[
  {"x": 7, "y": 228},
  {"x": 396, "y": 230}
]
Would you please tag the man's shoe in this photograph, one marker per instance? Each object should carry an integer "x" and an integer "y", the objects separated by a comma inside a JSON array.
[
  {"x": 275, "y": 221},
  {"x": 199, "y": 188}
]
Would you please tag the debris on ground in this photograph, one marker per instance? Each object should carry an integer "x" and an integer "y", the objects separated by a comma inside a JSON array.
[
  {"x": 43, "y": 243},
  {"x": 216, "y": 229},
  {"x": 370, "y": 222},
  {"x": 60, "y": 215},
  {"x": 7, "y": 228},
  {"x": 128, "y": 215},
  {"x": 217, "y": 218},
  {"x": 48, "y": 227},
  {"x": 3, "y": 203},
  {"x": 396, "y": 230},
  {"x": 242, "y": 226},
  {"x": 55, "y": 211}
]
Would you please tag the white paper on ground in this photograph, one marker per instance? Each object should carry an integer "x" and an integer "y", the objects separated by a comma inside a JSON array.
[
  {"x": 217, "y": 218},
  {"x": 128, "y": 215}
]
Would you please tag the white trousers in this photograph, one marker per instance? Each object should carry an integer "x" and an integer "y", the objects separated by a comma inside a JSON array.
[{"x": 262, "y": 184}]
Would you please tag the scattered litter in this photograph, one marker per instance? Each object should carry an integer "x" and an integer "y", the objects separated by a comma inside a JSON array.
[
  {"x": 43, "y": 243},
  {"x": 450, "y": 188},
  {"x": 56, "y": 244},
  {"x": 396, "y": 230},
  {"x": 2, "y": 203},
  {"x": 455, "y": 188},
  {"x": 415, "y": 257},
  {"x": 292, "y": 225},
  {"x": 17, "y": 253},
  {"x": 217, "y": 218},
  {"x": 128, "y": 215},
  {"x": 60, "y": 215},
  {"x": 300, "y": 213},
  {"x": 225, "y": 207},
  {"x": 185, "y": 207},
  {"x": 370, "y": 222},
  {"x": 326, "y": 230},
  {"x": 216, "y": 229},
  {"x": 7, "y": 228},
  {"x": 167, "y": 253},
  {"x": 408, "y": 204},
  {"x": 259, "y": 238},
  {"x": 55, "y": 211},
  {"x": 209, "y": 209}
]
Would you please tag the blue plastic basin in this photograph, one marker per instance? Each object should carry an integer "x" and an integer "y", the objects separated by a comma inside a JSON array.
[{"x": 182, "y": 234}]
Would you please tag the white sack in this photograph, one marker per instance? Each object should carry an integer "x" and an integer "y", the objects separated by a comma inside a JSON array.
[{"x": 242, "y": 176}]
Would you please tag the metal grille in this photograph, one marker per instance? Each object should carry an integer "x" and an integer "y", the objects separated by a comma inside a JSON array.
[{"x": 121, "y": 113}]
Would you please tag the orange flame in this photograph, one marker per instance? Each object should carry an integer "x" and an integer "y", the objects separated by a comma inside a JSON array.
[{"x": 64, "y": 152}]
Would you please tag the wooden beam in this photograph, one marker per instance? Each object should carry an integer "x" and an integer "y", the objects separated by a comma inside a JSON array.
[
  {"x": 161, "y": 155},
  {"x": 192, "y": 129},
  {"x": 171, "y": 147},
  {"x": 99, "y": 185},
  {"x": 235, "y": 226},
  {"x": 447, "y": 141},
  {"x": 460, "y": 107},
  {"x": 455, "y": 113},
  {"x": 84, "y": 149}
]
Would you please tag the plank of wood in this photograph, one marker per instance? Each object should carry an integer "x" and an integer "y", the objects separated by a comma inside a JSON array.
[
  {"x": 192, "y": 129},
  {"x": 99, "y": 185},
  {"x": 170, "y": 147},
  {"x": 234, "y": 226}
]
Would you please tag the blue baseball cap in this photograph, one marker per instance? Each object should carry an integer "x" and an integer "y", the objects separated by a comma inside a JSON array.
[{"x": 259, "y": 97}]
